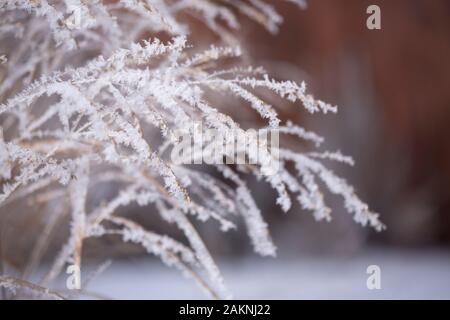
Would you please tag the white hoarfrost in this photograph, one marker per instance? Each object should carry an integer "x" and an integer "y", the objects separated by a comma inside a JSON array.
[{"x": 77, "y": 102}]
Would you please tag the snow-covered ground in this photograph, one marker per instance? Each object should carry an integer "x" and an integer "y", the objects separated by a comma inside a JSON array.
[{"x": 404, "y": 275}]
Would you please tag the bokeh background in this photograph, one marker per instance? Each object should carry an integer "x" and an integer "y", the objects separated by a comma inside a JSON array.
[
  {"x": 392, "y": 89},
  {"x": 391, "y": 86}
]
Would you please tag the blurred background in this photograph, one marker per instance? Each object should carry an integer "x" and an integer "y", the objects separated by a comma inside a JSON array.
[{"x": 392, "y": 87}]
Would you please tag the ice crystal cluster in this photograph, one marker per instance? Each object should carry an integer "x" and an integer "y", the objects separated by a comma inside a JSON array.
[{"x": 82, "y": 83}]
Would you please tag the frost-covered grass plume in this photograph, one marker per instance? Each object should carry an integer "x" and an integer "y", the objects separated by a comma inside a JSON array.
[{"x": 94, "y": 94}]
